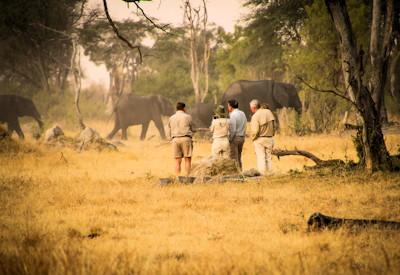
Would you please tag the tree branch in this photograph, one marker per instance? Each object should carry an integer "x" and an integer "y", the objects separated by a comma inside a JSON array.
[
  {"x": 319, "y": 162},
  {"x": 115, "y": 29},
  {"x": 327, "y": 91},
  {"x": 157, "y": 26}
]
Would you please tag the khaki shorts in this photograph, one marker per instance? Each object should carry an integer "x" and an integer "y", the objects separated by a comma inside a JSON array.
[{"x": 183, "y": 147}]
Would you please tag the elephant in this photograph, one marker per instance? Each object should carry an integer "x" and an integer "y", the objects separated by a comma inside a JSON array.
[
  {"x": 14, "y": 106},
  {"x": 202, "y": 114},
  {"x": 276, "y": 94},
  {"x": 134, "y": 110}
]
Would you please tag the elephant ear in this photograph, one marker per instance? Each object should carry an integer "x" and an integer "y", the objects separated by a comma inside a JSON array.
[
  {"x": 157, "y": 103},
  {"x": 280, "y": 95},
  {"x": 166, "y": 107}
]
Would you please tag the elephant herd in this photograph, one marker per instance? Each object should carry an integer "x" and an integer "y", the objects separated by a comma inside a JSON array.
[{"x": 132, "y": 109}]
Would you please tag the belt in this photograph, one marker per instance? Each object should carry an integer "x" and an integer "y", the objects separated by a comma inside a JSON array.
[{"x": 182, "y": 136}]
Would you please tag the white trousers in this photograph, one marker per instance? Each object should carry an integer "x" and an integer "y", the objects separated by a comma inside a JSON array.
[
  {"x": 220, "y": 147},
  {"x": 263, "y": 147}
]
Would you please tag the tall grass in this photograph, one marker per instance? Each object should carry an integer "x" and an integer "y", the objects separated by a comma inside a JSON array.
[{"x": 64, "y": 212}]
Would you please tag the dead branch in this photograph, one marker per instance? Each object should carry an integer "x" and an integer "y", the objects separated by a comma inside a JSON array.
[
  {"x": 319, "y": 162},
  {"x": 154, "y": 24},
  {"x": 318, "y": 221},
  {"x": 115, "y": 29}
]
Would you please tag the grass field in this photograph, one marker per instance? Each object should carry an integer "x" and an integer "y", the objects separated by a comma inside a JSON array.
[{"x": 64, "y": 212}]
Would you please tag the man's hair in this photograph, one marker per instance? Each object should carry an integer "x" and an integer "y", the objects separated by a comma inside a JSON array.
[
  {"x": 264, "y": 105},
  {"x": 180, "y": 106},
  {"x": 255, "y": 103},
  {"x": 233, "y": 103}
]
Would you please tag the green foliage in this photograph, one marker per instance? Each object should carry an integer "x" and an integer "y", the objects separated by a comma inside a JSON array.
[
  {"x": 315, "y": 57},
  {"x": 102, "y": 45},
  {"x": 60, "y": 107},
  {"x": 166, "y": 69},
  {"x": 34, "y": 54}
]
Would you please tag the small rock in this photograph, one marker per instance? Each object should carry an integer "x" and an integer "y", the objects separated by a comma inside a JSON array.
[
  {"x": 53, "y": 133},
  {"x": 88, "y": 135},
  {"x": 251, "y": 173}
]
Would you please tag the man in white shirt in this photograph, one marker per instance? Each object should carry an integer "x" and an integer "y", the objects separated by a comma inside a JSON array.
[{"x": 238, "y": 123}]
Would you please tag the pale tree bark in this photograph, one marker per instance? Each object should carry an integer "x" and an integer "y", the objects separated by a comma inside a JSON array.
[
  {"x": 197, "y": 26},
  {"x": 206, "y": 52},
  {"x": 121, "y": 76},
  {"x": 75, "y": 68},
  {"x": 367, "y": 101}
]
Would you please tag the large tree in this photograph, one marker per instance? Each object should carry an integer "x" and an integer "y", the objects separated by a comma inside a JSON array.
[
  {"x": 34, "y": 51},
  {"x": 368, "y": 91}
]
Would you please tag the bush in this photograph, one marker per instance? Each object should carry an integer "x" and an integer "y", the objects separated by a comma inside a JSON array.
[{"x": 59, "y": 107}]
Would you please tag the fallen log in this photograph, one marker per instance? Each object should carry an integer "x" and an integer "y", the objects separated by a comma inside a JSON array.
[
  {"x": 318, "y": 221},
  {"x": 319, "y": 162}
]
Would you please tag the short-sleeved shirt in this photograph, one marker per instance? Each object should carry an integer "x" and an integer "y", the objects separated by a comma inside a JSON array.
[
  {"x": 262, "y": 124},
  {"x": 220, "y": 127},
  {"x": 180, "y": 125}
]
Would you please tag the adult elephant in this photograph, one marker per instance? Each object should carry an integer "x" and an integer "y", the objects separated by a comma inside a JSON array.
[
  {"x": 202, "y": 114},
  {"x": 276, "y": 94},
  {"x": 12, "y": 107},
  {"x": 134, "y": 110}
]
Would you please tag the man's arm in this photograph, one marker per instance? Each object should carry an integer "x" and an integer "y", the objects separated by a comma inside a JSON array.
[
  {"x": 255, "y": 128},
  {"x": 191, "y": 125},
  {"x": 212, "y": 126},
  {"x": 232, "y": 127},
  {"x": 169, "y": 131}
]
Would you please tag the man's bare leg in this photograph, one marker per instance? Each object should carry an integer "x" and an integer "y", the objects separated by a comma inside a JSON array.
[
  {"x": 178, "y": 162},
  {"x": 188, "y": 165}
]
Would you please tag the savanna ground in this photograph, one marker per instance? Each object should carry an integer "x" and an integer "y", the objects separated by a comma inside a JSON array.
[{"x": 64, "y": 212}]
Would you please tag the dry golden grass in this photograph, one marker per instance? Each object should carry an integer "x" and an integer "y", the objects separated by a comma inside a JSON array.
[{"x": 52, "y": 200}]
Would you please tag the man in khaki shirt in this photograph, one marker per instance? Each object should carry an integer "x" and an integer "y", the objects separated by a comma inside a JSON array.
[
  {"x": 180, "y": 130},
  {"x": 262, "y": 132}
]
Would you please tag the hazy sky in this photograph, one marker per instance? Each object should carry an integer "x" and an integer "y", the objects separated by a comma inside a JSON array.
[{"x": 224, "y": 13}]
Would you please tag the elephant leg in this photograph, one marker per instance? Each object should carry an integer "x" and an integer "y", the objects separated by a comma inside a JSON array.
[
  {"x": 160, "y": 127},
  {"x": 18, "y": 129},
  {"x": 145, "y": 127},
  {"x": 113, "y": 132},
  {"x": 124, "y": 133},
  {"x": 10, "y": 129},
  {"x": 277, "y": 123}
]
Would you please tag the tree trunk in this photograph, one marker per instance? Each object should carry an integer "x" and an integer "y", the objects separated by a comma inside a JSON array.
[
  {"x": 375, "y": 151},
  {"x": 379, "y": 54},
  {"x": 394, "y": 75},
  {"x": 75, "y": 68}
]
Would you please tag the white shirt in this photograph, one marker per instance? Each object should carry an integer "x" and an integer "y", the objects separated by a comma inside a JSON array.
[
  {"x": 238, "y": 123},
  {"x": 220, "y": 127}
]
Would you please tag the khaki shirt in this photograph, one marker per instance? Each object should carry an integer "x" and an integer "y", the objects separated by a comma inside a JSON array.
[
  {"x": 220, "y": 127},
  {"x": 180, "y": 125},
  {"x": 262, "y": 124}
]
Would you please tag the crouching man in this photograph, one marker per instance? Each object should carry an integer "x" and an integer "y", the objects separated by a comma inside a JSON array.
[
  {"x": 180, "y": 130},
  {"x": 220, "y": 130},
  {"x": 262, "y": 133}
]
